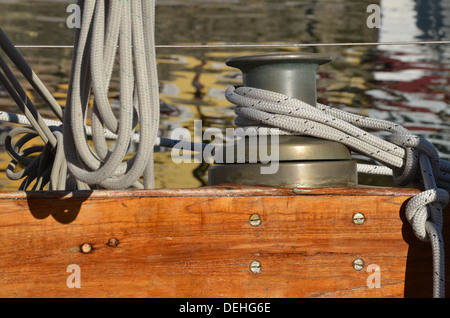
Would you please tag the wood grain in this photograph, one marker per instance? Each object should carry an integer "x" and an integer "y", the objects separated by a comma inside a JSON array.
[{"x": 199, "y": 243}]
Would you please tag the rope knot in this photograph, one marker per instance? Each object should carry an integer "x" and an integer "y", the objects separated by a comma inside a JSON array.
[{"x": 426, "y": 207}]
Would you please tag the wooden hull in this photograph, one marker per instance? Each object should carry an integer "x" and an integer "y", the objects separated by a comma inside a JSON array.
[{"x": 199, "y": 243}]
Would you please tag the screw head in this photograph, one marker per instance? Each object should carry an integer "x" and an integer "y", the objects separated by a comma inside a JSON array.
[
  {"x": 255, "y": 267},
  {"x": 358, "y": 218},
  {"x": 358, "y": 264},
  {"x": 255, "y": 219},
  {"x": 86, "y": 248}
]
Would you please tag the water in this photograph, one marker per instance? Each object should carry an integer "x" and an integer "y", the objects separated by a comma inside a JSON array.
[{"x": 405, "y": 84}]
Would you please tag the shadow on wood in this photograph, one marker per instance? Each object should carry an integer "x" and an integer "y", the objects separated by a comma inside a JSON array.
[{"x": 62, "y": 206}]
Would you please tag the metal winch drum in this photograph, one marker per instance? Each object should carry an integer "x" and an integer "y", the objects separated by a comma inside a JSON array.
[{"x": 303, "y": 161}]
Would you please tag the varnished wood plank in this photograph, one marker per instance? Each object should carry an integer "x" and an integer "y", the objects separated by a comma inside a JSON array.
[{"x": 199, "y": 243}]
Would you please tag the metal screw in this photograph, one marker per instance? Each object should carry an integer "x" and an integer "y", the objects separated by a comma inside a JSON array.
[
  {"x": 113, "y": 242},
  {"x": 255, "y": 267},
  {"x": 358, "y": 264},
  {"x": 86, "y": 248},
  {"x": 255, "y": 219},
  {"x": 358, "y": 218}
]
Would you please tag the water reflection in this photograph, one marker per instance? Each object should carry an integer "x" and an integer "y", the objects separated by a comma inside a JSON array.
[
  {"x": 406, "y": 84},
  {"x": 413, "y": 81}
]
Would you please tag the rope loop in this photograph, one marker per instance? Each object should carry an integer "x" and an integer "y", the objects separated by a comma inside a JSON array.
[
  {"x": 424, "y": 205},
  {"x": 38, "y": 165},
  {"x": 405, "y": 175},
  {"x": 414, "y": 146},
  {"x": 122, "y": 29}
]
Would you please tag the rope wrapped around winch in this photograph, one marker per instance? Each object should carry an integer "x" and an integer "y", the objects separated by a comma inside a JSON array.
[{"x": 407, "y": 157}]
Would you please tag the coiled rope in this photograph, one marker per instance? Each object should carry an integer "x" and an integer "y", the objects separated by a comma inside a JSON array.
[
  {"x": 52, "y": 171},
  {"x": 42, "y": 163},
  {"x": 130, "y": 26},
  {"x": 407, "y": 157}
]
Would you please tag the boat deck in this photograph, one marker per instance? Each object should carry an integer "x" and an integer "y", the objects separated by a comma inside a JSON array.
[{"x": 204, "y": 242}]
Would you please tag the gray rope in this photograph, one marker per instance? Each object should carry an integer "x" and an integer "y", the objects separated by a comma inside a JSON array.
[
  {"x": 162, "y": 142},
  {"x": 12, "y": 52},
  {"x": 126, "y": 25},
  {"x": 130, "y": 27},
  {"x": 407, "y": 156},
  {"x": 38, "y": 160}
]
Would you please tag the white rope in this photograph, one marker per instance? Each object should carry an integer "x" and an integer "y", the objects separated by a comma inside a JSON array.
[{"x": 408, "y": 157}]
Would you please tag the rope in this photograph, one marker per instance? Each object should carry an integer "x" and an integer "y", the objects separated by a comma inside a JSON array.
[
  {"x": 408, "y": 157},
  {"x": 37, "y": 160},
  {"x": 53, "y": 170},
  {"x": 130, "y": 25},
  {"x": 162, "y": 142}
]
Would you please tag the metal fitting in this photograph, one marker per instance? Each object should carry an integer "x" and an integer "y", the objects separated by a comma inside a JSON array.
[{"x": 303, "y": 161}]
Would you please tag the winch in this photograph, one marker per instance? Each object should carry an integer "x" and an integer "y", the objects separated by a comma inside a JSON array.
[{"x": 302, "y": 161}]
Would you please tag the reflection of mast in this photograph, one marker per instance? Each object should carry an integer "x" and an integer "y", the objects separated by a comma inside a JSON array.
[
  {"x": 410, "y": 68},
  {"x": 430, "y": 19},
  {"x": 445, "y": 13}
]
